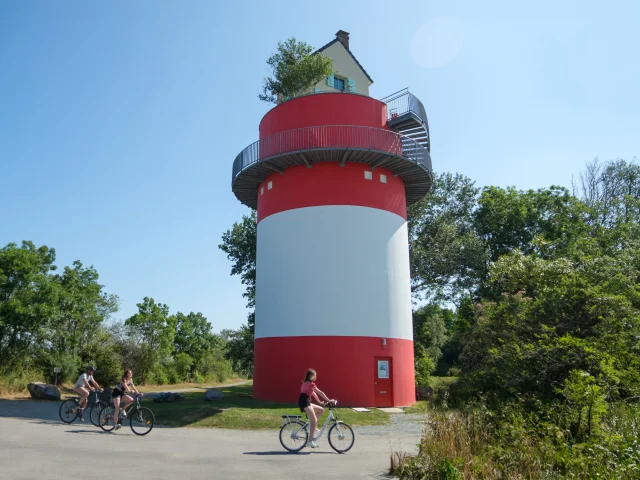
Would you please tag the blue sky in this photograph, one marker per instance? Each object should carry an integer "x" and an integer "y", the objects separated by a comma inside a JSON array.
[{"x": 119, "y": 121}]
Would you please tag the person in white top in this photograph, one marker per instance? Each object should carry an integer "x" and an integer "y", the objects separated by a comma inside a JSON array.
[{"x": 83, "y": 386}]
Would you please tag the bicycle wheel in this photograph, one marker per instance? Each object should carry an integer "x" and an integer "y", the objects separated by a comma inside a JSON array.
[
  {"x": 107, "y": 418},
  {"x": 68, "y": 411},
  {"x": 141, "y": 421},
  {"x": 343, "y": 437},
  {"x": 94, "y": 414},
  {"x": 293, "y": 436}
]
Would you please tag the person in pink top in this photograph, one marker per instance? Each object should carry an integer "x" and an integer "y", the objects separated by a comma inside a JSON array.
[{"x": 308, "y": 390}]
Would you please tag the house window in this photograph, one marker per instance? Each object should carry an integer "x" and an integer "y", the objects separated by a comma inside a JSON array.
[
  {"x": 368, "y": 175},
  {"x": 338, "y": 83}
]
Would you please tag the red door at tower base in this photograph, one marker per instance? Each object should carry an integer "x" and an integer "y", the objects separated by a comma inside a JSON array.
[{"x": 383, "y": 382}]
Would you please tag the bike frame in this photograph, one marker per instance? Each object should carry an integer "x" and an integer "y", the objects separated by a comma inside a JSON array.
[{"x": 298, "y": 418}]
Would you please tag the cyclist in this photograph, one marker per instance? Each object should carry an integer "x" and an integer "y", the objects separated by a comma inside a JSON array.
[
  {"x": 120, "y": 394},
  {"x": 307, "y": 391},
  {"x": 83, "y": 386}
]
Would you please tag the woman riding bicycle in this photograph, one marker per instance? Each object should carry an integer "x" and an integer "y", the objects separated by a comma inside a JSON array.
[
  {"x": 308, "y": 390},
  {"x": 119, "y": 395}
]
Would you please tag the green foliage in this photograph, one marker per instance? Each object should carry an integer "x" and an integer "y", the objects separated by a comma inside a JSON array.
[
  {"x": 15, "y": 380},
  {"x": 193, "y": 335},
  {"x": 54, "y": 320},
  {"x": 476, "y": 442},
  {"x": 214, "y": 367},
  {"x": 424, "y": 367},
  {"x": 546, "y": 338},
  {"x": 239, "y": 349},
  {"x": 153, "y": 327},
  {"x": 28, "y": 301},
  {"x": 295, "y": 71},
  {"x": 239, "y": 243},
  {"x": 587, "y": 402},
  {"x": 448, "y": 257}
]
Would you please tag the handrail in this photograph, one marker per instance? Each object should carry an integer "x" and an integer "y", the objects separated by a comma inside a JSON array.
[
  {"x": 331, "y": 137},
  {"x": 405, "y": 102}
]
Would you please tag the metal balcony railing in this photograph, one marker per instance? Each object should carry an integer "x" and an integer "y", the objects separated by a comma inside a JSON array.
[
  {"x": 403, "y": 102},
  {"x": 332, "y": 137}
]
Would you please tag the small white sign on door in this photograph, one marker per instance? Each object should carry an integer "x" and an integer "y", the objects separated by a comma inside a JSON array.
[{"x": 383, "y": 369}]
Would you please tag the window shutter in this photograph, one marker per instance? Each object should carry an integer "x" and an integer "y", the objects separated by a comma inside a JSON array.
[
  {"x": 352, "y": 84},
  {"x": 330, "y": 80}
]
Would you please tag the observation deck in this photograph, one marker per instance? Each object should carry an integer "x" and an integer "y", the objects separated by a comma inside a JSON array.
[{"x": 339, "y": 127}]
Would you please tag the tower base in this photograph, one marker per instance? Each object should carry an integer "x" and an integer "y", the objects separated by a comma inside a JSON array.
[{"x": 353, "y": 370}]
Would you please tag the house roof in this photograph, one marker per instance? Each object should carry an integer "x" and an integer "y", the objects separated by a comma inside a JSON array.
[{"x": 324, "y": 47}]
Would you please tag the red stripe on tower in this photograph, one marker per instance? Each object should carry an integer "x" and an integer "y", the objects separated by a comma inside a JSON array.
[{"x": 331, "y": 184}]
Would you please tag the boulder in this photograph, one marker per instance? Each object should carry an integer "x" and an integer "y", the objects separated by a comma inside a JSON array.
[
  {"x": 43, "y": 391},
  {"x": 160, "y": 397},
  {"x": 168, "y": 397},
  {"x": 424, "y": 393},
  {"x": 213, "y": 394}
]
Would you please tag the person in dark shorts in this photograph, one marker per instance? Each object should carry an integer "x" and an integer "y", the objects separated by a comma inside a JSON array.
[
  {"x": 119, "y": 394},
  {"x": 308, "y": 390}
]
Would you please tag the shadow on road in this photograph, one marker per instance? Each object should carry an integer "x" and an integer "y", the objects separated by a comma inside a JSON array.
[
  {"x": 280, "y": 452},
  {"x": 30, "y": 409},
  {"x": 98, "y": 431}
]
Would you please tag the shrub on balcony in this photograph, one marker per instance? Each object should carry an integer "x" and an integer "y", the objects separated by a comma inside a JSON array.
[{"x": 295, "y": 71}]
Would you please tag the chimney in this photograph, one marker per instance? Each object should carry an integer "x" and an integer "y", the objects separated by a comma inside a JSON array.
[{"x": 343, "y": 37}]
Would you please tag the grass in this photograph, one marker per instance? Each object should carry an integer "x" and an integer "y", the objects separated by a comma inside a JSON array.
[
  {"x": 183, "y": 386},
  {"x": 238, "y": 410}
]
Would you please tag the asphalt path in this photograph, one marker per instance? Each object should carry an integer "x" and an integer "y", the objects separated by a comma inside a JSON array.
[{"x": 34, "y": 443}]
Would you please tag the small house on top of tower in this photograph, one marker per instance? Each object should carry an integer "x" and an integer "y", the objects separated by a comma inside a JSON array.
[{"x": 349, "y": 75}]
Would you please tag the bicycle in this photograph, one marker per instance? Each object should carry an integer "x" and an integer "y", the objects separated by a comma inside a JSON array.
[
  {"x": 69, "y": 408},
  {"x": 142, "y": 417},
  {"x": 294, "y": 429}
]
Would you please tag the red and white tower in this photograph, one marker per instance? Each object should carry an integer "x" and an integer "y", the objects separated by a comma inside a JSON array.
[{"x": 331, "y": 178}]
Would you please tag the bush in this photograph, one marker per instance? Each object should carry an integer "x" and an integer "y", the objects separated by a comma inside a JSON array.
[
  {"x": 16, "y": 380},
  {"x": 157, "y": 375},
  {"x": 182, "y": 364},
  {"x": 214, "y": 367},
  {"x": 70, "y": 365},
  {"x": 514, "y": 443},
  {"x": 424, "y": 366},
  {"x": 107, "y": 362}
]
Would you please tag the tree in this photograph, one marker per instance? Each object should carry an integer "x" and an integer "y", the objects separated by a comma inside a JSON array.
[
  {"x": 240, "y": 245},
  {"x": 545, "y": 222},
  {"x": 551, "y": 317},
  {"x": 28, "y": 301},
  {"x": 612, "y": 190},
  {"x": 152, "y": 330},
  {"x": 193, "y": 336},
  {"x": 447, "y": 257},
  {"x": 295, "y": 71},
  {"x": 240, "y": 350},
  {"x": 84, "y": 307}
]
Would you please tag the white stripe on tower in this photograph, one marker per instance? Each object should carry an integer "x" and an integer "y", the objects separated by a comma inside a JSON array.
[{"x": 337, "y": 270}]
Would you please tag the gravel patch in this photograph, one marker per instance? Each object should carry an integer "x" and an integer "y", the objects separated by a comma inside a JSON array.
[{"x": 401, "y": 423}]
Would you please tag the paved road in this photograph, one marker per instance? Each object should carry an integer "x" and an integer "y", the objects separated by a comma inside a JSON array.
[{"x": 38, "y": 445}]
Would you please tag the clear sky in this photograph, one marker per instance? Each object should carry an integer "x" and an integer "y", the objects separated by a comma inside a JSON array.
[{"x": 120, "y": 121}]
